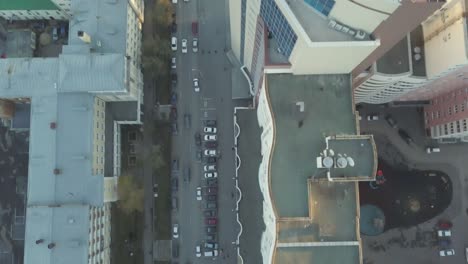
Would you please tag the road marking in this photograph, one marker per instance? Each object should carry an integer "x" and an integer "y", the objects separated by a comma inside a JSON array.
[{"x": 208, "y": 109}]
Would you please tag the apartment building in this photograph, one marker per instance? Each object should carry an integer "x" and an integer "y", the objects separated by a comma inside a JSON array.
[
  {"x": 35, "y": 9},
  {"x": 318, "y": 36},
  {"x": 79, "y": 100}
]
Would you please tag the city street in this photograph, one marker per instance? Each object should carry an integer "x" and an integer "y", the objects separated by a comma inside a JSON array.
[
  {"x": 451, "y": 160},
  {"x": 211, "y": 66}
]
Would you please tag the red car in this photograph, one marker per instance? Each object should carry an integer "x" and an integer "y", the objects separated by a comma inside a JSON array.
[
  {"x": 211, "y": 221},
  {"x": 444, "y": 224}
]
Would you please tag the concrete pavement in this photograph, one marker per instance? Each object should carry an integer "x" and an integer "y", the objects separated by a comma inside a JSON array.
[{"x": 451, "y": 160}]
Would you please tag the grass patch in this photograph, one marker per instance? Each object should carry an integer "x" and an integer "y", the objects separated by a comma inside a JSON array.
[
  {"x": 162, "y": 219},
  {"x": 126, "y": 227}
]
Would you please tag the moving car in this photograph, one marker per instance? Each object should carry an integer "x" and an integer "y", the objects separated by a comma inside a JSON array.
[
  {"x": 195, "y": 45},
  {"x": 199, "y": 194},
  {"x": 173, "y": 63},
  {"x": 211, "y": 175},
  {"x": 210, "y": 138},
  {"x": 210, "y": 130},
  {"x": 207, "y": 168},
  {"x": 184, "y": 46},
  {"x": 174, "y": 44},
  {"x": 391, "y": 122},
  {"x": 196, "y": 86},
  {"x": 405, "y": 136},
  {"x": 197, "y": 251},
  {"x": 175, "y": 231},
  {"x": 446, "y": 252},
  {"x": 210, "y": 152}
]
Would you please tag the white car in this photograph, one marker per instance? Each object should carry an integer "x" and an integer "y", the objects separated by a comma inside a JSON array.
[
  {"x": 209, "y": 175},
  {"x": 210, "y": 130},
  {"x": 372, "y": 117},
  {"x": 174, "y": 44},
  {"x": 210, "y": 138},
  {"x": 184, "y": 46},
  {"x": 447, "y": 252},
  {"x": 175, "y": 231},
  {"x": 210, "y": 152},
  {"x": 195, "y": 45},
  {"x": 173, "y": 63},
  {"x": 197, "y": 251},
  {"x": 199, "y": 193},
  {"x": 174, "y": 1},
  {"x": 196, "y": 85},
  {"x": 444, "y": 233},
  {"x": 208, "y": 168}
]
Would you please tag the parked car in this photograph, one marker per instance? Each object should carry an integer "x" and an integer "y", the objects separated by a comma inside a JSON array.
[
  {"x": 174, "y": 129},
  {"x": 211, "y": 205},
  {"x": 444, "y": 224},
  {"x": 210, "y": 138},
  {"x": 211, "y": 245},
  {"x": 174, "y": 184},
  {"x": 210, "y": 237},
  {"x": 175, "y": 231},
  {"x": 175, "y": 165},
  {"x": 210, "y": 152},
  {"x": 430, "y": 150},
  {"x": 210, "y": 221},
  {"x": 195, "y": 28},
  {"x": 391, "y": 122},
  {"x": 174, "y": 43},
  {"x": 197, "y": 139},
  {"x": 173, "y": 98},
  {"x": 174, "y": 27},
  {"x": 210, "y": 130},
  {"x": 210, "y": 253},
  {"x": 211, "y": 197},
  {"x": 173, "y": 113},
  {"x": 199, "y": 193},
  {"x": 405, "y": 136},
  {"x": 211, "y": 175},
  {"x": 155, "y": 190},
  {"x": 197, "y": 251},
  {"x": 184, "y": 46},
  {"x": 211, "y": 144},
  {"x": 173, "y": 63},
  {"x": 208, "y": 168},
  {"x": 211, "y": 160},
  {"x": 209, "y": 213},
  {"x": 187, "y": 121},
  {"x": 212, "y": 182},
  {"x": 174, "y": 203},
  {"x": 195, "y": 45},
  {"x": 211, "y": 229},
  {"x": 372, "y": 117},
  {"x": 174, "y": 79},
  {"x": 211, "y": 123},
  {"x": 444, "y": 233},
  {"x": 196, "y": 85},
  {"x": 446, "y": 252}
]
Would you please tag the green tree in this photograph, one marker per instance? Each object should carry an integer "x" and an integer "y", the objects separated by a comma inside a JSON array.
[
  {"x": 162, "y": 13},
  {"x": 131, "y": 194},
  {"x": 156, "y": 53},
  {"x": 157, "y": 158}
]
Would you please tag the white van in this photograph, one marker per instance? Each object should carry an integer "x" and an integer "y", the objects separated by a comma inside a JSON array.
[{"x": 430, "y": 150}]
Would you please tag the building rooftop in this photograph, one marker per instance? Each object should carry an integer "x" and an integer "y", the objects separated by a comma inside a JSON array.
[
  {"x": 316, "y": 25},
  {"x": 20, "y": 43},
  {"x": 27, "y": 5},
  {"x": 311, "y": 209},
  {"x": 396, "y": 60}
]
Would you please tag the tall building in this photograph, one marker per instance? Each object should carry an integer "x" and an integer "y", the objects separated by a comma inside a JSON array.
[
  {"x": 78, "y": 101},
  {"x": 35, "y": 9},
  {"x": 318, "y": 36}
]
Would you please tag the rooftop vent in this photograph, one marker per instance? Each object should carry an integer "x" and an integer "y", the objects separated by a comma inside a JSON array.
[
  {"x": 51, "y": 245},
  {"x": 57, "y": 171},
  {"x": 53, "y": 125},
  {"x": 84, "y": 36},
  {"x": 39, "y": 241}
]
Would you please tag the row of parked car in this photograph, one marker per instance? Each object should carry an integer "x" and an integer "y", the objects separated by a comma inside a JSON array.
[{"x": 208, "y": 194}]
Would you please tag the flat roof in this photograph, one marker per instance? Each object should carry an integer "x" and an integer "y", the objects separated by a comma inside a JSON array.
[
  {"x": 27, "y": 5},
  {"x": 396, "y": 60},
  {"x": 316, "y": 24},
  {"x": 19, "y": 42},
  {"x": 320, "y": 255}
]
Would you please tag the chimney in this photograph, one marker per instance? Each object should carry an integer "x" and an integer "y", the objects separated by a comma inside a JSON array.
[
  {"x": 39, "y": 241},
  {"x": 84, "y": 36},
  {"x": 51, "y": 245}
]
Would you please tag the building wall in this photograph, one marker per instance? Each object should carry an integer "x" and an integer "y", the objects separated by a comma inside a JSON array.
[
  {"x": 329, "y": 57},
  {"x": 252, "y": 12},
  {"x": 258, "y": 60},
  {"x": 265, "y": 121},
  {"x": 99, "y": 137},
  {"x": 235, "y": 25},
  {"x": 110, "y": 189},
  {"x": 363, "y": 14},
  {"x": 134, "y": 28},
  {"x": 99, "y": 234}
]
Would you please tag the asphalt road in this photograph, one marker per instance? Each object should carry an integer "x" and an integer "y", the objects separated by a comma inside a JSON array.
[{"x": 212, "y": 67}]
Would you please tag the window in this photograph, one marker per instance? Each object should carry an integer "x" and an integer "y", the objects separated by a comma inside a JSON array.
[
  {"x": 450, "y": 111},
  {"x": 455, "y": 109}
]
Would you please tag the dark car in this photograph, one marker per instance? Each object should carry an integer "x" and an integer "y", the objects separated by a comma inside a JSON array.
[
  {"x": 444, "y": 224},
  {"x": 187, "y": 121},
  {"x": 212, "y": 182},
  {"x": 175, "y": 250},
  {"x": 173, "y": 113},
  {"x": 211, "y": 229},
  {"x": 210, "y": 237},
  {"x": 211, "y": 123},
  {"x": 174, "y": 204},
  {"x": 210, "y": 190},
  {"x": 173, "y": 98},
  {"x": 187, "y": 175},
  {"x": 195, "y": 28},
  {"x": 174, "y": 184},
  {"x": 211, "y": 221},
  {"x": 211, "y": 160},
  {"x": 210, "y": 205},
  {"x": 209, "y": 213},
  {"x": 391, "y": 122},
  {"x": 405, "y": 136},
  {"x": 211, "y": 144},
  {"x": 174, "y": 79},
  {"x": 211, "y": 197},
  {"x": 174, "y": 27},
  {"x": 174, "y": 128},
  {"x": 175, "y": 165},
  {"x": 197, "y": 139}
]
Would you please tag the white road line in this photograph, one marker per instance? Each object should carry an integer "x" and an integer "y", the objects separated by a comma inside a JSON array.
[{"x": 208, "y": 109}]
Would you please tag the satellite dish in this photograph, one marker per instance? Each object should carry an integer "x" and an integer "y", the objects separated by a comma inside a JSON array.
[{"x": 350, "y": 161}]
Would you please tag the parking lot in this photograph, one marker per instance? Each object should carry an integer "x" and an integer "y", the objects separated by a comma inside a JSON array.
[{"x": 203, "y": 198}]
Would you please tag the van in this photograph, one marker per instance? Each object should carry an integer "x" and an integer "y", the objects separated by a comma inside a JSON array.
[{"x": 430, "y": 150}]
